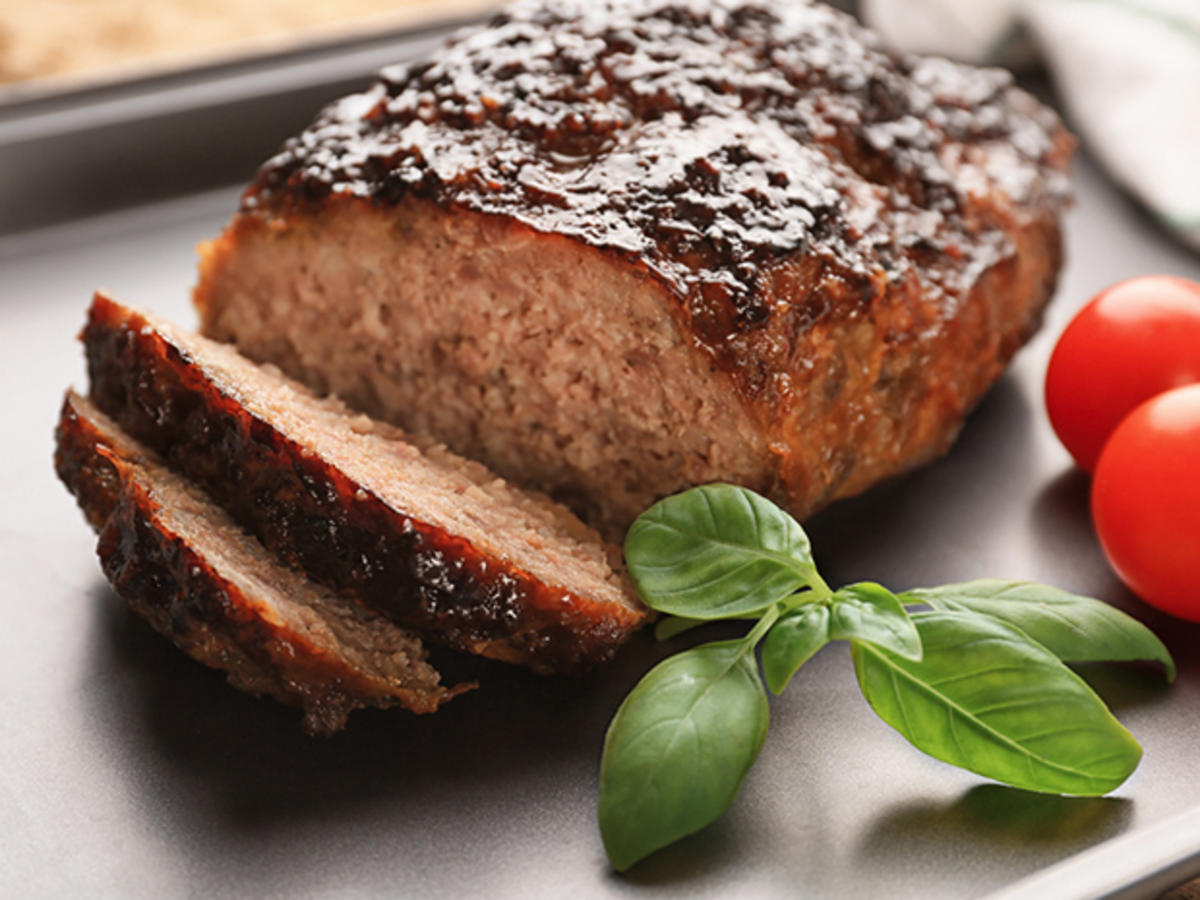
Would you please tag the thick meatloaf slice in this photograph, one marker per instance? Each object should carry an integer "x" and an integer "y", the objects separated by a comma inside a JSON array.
[
  {"x": 183, "y": 565},
  {"x": 431, "y": 540},
  {"x": 614, "y": 248}
]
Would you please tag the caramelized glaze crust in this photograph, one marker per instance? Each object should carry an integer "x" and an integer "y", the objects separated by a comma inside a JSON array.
[
  {"x": 191, "y": 598},
  {"x": 709, "y": 143},
  {"x": 847, "y": 244},
  {"x": 317, "y": 518}
]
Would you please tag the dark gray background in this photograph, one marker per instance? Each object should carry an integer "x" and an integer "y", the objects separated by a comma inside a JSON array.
[{"x": 128, "y": 770}]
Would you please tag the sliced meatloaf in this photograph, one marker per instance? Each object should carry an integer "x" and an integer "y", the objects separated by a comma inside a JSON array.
[
  {"x": 614, "y": 248},
  {"x": 182, "y": 564},
  {"x": 416, "y": 533}
]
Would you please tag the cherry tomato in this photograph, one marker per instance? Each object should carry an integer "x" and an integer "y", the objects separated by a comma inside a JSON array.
[
  {"x": 1146, "y": 501},
  {"x": 1136, "y": 339}
]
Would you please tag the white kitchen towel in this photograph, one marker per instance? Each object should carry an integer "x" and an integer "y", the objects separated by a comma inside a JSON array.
[{"x": 1128, "y": 72}]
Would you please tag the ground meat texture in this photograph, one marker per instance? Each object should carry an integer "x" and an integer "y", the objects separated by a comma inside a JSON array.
[
  {"x": 182, "y": 564},
  {"x": 434, "y": 542},
  {"x": 614, "y": 249}
]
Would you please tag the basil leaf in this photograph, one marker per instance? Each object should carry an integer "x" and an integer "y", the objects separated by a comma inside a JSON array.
[
  {"x": 1073, "y": 628},
  {"x": 792, "y": 641},
  {"x": 715, "y": 552},
  {"x": 986, "y": 698},
  {"x": 870, "y": 612},
  {"x": 678, "y": 748}
]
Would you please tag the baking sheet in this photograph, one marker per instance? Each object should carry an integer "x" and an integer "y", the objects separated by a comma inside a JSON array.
[
  {"x": 127, "y": 770},
  {"x": 212, "y": 42},
  {"x": 69, "y": 154}
]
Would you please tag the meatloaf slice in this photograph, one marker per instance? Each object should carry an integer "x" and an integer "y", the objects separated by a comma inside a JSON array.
[
  {"x": 431, "y": 540},
  {"x": 614, "y": 248},
  {"x": 182, "y": 564}
]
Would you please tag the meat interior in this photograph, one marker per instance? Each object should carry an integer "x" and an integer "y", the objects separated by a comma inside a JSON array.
[
  {"x": 550, "y": 361},
  {"x": 172, "y": 553},
  {"x": 369, "y": 644},
  {"x": 437, "y": 486}
]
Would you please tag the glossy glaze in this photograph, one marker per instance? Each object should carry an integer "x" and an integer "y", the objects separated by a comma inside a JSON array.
[
  {"x": 709, "y": 142},
  {"x": 213, "y": 615},
  {"x": 317, "y": 518}
]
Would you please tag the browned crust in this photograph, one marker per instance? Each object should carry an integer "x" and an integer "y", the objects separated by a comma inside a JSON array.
[
  {"x": 317, "y": 518},
  {"x": 863, "y": 397},
  {"x": 170, "y": 583},
  {"x": 877, "y": 382},
  {"x": 706, "y": 143},
  {"x": 858, "y": 288}
]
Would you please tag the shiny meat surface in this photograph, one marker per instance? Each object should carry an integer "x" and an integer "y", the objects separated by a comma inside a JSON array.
[
  {"x": 337, "y": 529},
  {"x": 184, "y": 566},
  {"x": 616, "y": 249},
  {"x": 708, "y": 142}
]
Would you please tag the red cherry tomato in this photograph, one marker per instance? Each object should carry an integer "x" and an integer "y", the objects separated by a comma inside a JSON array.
[
  {"x": 1146, "y": 501},
  {"x": 1136, "y": 339}
]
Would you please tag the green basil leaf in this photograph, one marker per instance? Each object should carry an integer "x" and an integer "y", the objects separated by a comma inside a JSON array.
[
  {"x": 792, "y": 641},
  {"x": 870, "y": 612},
  {"x": 1073, "y": 628},
  {"x": 987, "y": 698},
  {"x": 678, "y": 748},
  {"x": 715, "y": 552}
]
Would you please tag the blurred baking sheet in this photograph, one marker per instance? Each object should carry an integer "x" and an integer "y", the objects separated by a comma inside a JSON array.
[
  {"x": 58, "y": 47},
  {"x": 75, "y": 149}
]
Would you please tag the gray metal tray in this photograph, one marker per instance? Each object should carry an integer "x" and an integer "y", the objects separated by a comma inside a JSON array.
[{"x": 128, "y": 770}]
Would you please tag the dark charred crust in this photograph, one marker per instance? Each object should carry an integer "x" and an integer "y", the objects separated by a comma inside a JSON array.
[
  {"x": 91, "y": 478},
  {"x": 316, "y": 518},
  {"x": 167, "y": 581},
  {"x": 707, "y": 143}
]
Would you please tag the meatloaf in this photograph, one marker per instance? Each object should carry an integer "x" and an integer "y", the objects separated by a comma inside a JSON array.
[
  {"x": 411, "y": 531},
  {"x": 614, "y": 248},
  {"x": 185, "y": 566}
]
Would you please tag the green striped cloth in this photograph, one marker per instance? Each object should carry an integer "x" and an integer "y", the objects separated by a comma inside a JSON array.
[{"x": 1128, "y": 72}]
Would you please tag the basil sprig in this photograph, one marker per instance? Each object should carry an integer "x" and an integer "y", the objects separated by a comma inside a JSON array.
[{"x": 977, "y": 678}]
